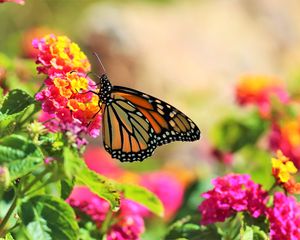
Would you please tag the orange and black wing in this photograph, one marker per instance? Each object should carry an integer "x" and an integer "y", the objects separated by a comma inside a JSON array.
[
  {"x": 127, "y": 134},
  {"x": 136, "y": 123}
]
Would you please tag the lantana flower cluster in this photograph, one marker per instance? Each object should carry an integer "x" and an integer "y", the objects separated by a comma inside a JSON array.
[
  {"x": 258, "y": 90},
  {"x": 67, "y": 102},
  {"x": 128, "y": 222},
  {"x": 283, "y": 169},
  {"x": 284, "y": 218},
  {"x": 235, "y": 193},
  {"x": 231, "y": 194},
  {"x": 285, "y": 135}
]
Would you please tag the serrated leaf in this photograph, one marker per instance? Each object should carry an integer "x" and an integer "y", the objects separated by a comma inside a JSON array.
[
  {"x": 20, "y": 155},
  {"x": 143, "y": 196},
  {"x": 14, "y": 105},
  {"x": 15, "y": 101},
  {"x": 48, "y": 217},
  {"x": 100, "y": 185}
]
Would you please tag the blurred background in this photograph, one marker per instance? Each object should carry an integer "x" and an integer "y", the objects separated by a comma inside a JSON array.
[{"x": 188, "y": 53}]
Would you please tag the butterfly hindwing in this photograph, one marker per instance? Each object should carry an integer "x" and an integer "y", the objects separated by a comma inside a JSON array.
[
  {"x": 127, "y": 134},
  {"x": 168, "y": 123}
]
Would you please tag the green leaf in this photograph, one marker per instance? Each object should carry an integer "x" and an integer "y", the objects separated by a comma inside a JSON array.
[
  {"x": 8, "y": 236},
  {"x": 99, "y": 185},
  {"x": 16, "y": 101},
  {"x": 20, "y": 155},
  {"x": 247, "y": 234},
  {"x": 1, "y": 97},
  {"x": 72, "y": 162},
  {"x": 47, "y": 217},
  {"x": 143, "y": 196},
  {"x": 66, "y": 188},
  {"x": 257, "y": 226},
  {"x": 14, "y": 106},
  {"x": 188, "y": 228}
]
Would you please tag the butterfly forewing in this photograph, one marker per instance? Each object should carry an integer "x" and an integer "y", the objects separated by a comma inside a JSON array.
[{"x": 169, "y": 124}]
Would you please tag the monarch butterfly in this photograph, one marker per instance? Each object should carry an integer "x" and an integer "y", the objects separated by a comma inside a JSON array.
[{"x": 135, "y": 123}]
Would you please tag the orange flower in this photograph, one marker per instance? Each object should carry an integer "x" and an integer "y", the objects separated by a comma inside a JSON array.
[
  {"x": 258, "y": 90},
  {"x": 283, "y": 170}
]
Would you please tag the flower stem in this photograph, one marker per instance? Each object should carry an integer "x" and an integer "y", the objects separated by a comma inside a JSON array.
[
  {"x": 272, "y": 188},
  {"x": 7, "y": 216}
]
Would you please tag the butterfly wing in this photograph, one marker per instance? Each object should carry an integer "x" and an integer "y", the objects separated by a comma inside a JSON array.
[
  {"x": 127, "y": 134},
  {"x": 168, "y": 123}
]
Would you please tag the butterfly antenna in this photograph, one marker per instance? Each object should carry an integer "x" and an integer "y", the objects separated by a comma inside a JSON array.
[{"x": 99, "y": 60}]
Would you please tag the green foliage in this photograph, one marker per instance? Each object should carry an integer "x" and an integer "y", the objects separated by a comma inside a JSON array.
[
  {"x": 13, "y": 108},
  {"x": 144, "y": 197},
  {"x": 47, "y": 217},
  {"x": 20, "y": 155},
  {"x": 99, "y": 185},
  {"x": 188, "y": 228},
  {"x": 234, "y": 133},
  {"x": 8, "y": 236}
]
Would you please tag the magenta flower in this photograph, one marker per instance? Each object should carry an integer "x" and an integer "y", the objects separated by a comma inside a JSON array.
[
  {"x": 166, "y": 188},
  {"x": 284, "y": 218},
  {"x": 232, "y": 193},
  {"x": 89, "y": 203},
  {"x": 128, "y": 227},
  {"x": 127, "y": 223}
]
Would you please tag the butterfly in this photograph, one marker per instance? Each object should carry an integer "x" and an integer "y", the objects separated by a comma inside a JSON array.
[{"x": 135, "y": 123}]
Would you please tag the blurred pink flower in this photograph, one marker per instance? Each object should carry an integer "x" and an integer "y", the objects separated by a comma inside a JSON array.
[
  {"x": 28, "y": 36},
  {"x": 98, "y": 160},
  {"x": 258, "y": 90},
  {"x": 127, "y": 223},
  {"x": 167, "y": 188},
  {"x": 89, "y": 203},
  {"x": 286, "y": 137},
  {"x": 128, "y": 227},
  {"x": 232, "y": 193},
  {"x": 284, "y": 218},
  {"x": 21, "y": 2}
]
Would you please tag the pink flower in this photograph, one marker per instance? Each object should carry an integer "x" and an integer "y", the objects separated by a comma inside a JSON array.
[
  {"x": 167, "y": 188},
  {"x": 98, "y": 160},
  {"x": 286, "y": 137},
  {"x": 21, "y": 2},
  {"x": 89, "y": 203},
  {"x": 259, "y": 90},
  {"x": 232, "y": 193},
  {"x": 284, "y": 218},
  {"x": 128, "y": 227},
  {"x": 126, "y": 224}
]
